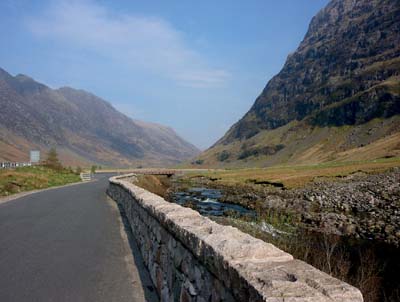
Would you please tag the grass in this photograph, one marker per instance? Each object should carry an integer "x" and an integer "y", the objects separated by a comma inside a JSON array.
[
  {"x": 306, "y": 145},
  {"x": 297, "y": 176},
  {"x": 33, "y": 178}
]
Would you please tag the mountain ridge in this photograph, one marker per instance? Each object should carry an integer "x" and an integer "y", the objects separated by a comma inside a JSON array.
[{"x": 84, "y": 127}]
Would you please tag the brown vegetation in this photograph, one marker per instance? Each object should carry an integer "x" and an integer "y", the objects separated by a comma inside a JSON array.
[
  {"x": 157, "y": 184},
  {"x": 295, "y": 176}
]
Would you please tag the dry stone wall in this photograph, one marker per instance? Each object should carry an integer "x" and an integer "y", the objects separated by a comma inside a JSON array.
[{"x": 191, "y": 258}]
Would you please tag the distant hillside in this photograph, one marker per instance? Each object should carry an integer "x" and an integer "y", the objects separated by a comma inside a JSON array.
[
  {"x": 83, "y": 127},
  {"x": 336, "y": 98}
]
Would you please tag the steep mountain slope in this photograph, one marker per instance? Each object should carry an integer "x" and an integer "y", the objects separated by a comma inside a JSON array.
[
  {"x": 338, "y": 91},
  {"x": 83, "y": 127}
]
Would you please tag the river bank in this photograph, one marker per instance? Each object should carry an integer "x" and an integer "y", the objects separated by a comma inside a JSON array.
[
  {"x": 359, "y": 205},
  {"x": 321, "y": 222}
]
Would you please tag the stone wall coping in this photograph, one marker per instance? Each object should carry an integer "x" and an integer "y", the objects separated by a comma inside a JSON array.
[{"x": 238, "y": 260}]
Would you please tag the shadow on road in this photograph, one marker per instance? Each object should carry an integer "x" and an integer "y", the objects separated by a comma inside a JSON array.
[{"x": 148, "y": 287}]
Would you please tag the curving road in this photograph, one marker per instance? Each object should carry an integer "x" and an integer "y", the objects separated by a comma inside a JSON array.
[{"x": 69, "y": 244}]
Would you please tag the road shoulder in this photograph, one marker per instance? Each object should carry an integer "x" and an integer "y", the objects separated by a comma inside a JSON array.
[{"x": 5, "y": 199}]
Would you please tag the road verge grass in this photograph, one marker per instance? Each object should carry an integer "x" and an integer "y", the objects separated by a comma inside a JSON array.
[{"x": 33, "y": 178}]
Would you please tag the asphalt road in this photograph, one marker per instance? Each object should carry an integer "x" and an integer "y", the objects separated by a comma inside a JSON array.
[{"x": 69, "y": 244}]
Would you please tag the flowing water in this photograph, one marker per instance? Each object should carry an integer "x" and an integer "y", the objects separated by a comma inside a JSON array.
[
  {"x": 205, "y": 201},
  {"x": 371, "y": 266}
]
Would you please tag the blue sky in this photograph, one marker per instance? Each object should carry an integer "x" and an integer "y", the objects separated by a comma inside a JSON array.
[{"x": 196, "y": 66}]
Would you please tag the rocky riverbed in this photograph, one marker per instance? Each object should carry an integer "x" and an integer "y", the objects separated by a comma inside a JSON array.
[{"x": 359, "y": 205}]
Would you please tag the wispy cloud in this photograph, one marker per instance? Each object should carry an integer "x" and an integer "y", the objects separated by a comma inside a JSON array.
[{"x": 141, "y": 42}]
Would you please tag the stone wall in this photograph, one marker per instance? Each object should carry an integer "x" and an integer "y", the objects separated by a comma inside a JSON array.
[{"x": 191, "y": 258}]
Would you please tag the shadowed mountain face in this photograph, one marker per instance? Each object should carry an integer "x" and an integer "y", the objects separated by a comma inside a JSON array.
[
  {"x": 345, "y": 73},
  {"x": 83, "y": 127}
]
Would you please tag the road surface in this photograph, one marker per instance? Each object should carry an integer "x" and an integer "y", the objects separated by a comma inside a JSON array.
[{"x": 69, "y": 244}]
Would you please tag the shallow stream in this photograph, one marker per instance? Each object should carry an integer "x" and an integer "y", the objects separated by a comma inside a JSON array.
[
  {"x": 206, "y": 202},
  {"x": 373, "y": 264}
]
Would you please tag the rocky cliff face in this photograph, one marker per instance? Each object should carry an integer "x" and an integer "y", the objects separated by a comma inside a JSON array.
[
  {"x": 346, "y": 72},
  {"x": 82, "y": 126}
]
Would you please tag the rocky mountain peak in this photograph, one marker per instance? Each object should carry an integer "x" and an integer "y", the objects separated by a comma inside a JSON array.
[{"x": 350, "y": 48}]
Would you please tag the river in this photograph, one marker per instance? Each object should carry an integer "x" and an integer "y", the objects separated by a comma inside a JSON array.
[{"x": 369, "y": 265}]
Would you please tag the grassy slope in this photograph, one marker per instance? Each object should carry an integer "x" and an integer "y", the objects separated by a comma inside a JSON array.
[
  {"x": 32, "y": 178},
  {"x": 305, "y": 145}
]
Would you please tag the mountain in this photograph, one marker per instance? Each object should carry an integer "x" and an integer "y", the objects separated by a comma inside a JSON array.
[
  {"x": 84, "y": 128},
  {"x": 336, "y": 97}
]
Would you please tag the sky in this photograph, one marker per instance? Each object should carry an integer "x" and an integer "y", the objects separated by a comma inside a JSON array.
[{"x": 196, "y": 66}]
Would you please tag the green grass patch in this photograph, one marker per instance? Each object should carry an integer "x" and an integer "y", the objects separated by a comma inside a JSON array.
[{"x": 33, "y": 178}]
